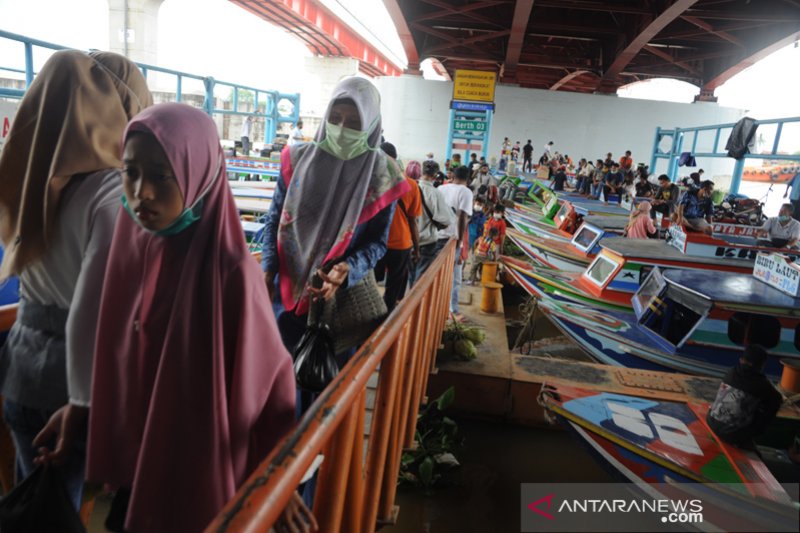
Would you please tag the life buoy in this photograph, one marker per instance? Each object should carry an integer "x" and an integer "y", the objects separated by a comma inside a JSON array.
[{"x": 773, "y": 176}]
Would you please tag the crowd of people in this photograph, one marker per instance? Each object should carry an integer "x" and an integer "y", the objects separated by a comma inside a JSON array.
[{"x": 149, "y": 349}]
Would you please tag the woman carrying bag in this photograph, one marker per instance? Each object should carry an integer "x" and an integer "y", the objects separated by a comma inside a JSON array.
[{"x": 330, "y": 218}]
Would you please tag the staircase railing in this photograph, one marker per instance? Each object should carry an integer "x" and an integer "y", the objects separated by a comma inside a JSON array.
[{"x": 355, "y": 488}]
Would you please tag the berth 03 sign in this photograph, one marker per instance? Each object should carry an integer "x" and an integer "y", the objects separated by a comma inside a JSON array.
[{"x": 474, "y": 85}]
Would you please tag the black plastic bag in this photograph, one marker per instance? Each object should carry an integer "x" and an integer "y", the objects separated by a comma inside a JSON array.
[
  {"x": 41, "y": 504},
  {"x": 315, "y": 363}
]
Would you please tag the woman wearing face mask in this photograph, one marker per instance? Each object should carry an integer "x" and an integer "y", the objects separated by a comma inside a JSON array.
[
  {"x": 192, "y": 385},
  {"x": 59, "y": 199},
  {"x": 333, "y": 204}
]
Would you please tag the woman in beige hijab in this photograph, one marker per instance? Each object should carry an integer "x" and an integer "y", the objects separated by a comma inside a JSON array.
[{"x": 60, "y": 190}]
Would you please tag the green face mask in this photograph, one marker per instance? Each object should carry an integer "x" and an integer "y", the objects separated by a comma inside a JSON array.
[
  {"x": 784, "y": 218},
  {"x": 345, "y": 143},
  {"x": 189, "y": 216}
]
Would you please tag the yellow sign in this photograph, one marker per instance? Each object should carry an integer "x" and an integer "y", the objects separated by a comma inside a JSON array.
[{"x": 474, "y": 85}]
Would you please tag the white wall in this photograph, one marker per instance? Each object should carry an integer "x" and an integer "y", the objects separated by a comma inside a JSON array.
[{"x": 416, "y": 112}]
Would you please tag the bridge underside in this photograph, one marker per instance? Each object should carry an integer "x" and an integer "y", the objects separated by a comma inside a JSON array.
[
  {"x": 597, "y": 45},
  {"x": 322, "y": 32}
]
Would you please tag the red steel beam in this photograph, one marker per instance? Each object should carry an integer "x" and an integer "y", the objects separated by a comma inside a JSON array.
[
  {"x": 623, "y": 59},
  {"x": 568, "y": 78},
  {"x": 312, "y": 22},
  {"x": 750, "y": 60},
  {"x": 519, "y": 24},
  {"x": 703, "y": 25},
  {"x": 403, "y": 31},
  {"x": 462, "y": 10},
  {"x": 669, "y": 57}
]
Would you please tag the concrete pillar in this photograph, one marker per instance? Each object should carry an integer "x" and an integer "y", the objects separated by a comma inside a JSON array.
[
  {"x": 706, "y": 95},
  {"x": 140, "y": 19},
  {"x": 323, "y": 74}
]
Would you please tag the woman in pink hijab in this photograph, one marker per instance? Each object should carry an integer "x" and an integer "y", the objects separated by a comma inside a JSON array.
[
  {"x": 640, "y": 225},
  {"x": 192, "y": 386}
]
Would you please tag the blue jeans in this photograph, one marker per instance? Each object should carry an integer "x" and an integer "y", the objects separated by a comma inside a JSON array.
[
  {"x": 25, "y": 423},
  {"x": 427, "y": 253},
  {"x": 596, "y": 188},
  {"x": 458, "y": 271}
]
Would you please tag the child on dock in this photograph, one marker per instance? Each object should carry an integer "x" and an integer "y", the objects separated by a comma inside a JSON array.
[{"x": 490, "y": 246}]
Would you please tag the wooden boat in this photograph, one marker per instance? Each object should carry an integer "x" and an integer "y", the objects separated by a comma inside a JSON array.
[
  {"x": 739, "y": 246},
  {"x": 667, "y": 449},
  {"x": 261, "y": 166},
  {"x": 686, "y": 321},
  {"x": 771, "y": 173}
]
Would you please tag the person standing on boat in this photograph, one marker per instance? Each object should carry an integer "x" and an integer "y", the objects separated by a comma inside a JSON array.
[
  {"x": 783, "y": 231},
  {"x": 59, "y": 198},
  {"x": 527, "y": 157},
  {"x": 746, "y": 402},
  {"x": 695, "y": 210}
]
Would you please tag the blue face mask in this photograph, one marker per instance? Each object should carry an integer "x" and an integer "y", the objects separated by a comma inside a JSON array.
[
  {"x": 189, "y": 216},
  {"x": 784, "y": 218}
]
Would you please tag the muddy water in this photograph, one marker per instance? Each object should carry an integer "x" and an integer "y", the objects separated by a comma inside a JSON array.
[{"x": 495, "y": 459}]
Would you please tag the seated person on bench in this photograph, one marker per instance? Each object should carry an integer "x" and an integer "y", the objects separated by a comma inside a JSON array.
[
  {"x": 782, "y": 231},
  {"x": 746, "y": 401},
  {"x": 696, "y": 208}
]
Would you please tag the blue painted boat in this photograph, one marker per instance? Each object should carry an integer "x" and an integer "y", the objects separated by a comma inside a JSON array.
[{"x": 694, "y": 322}]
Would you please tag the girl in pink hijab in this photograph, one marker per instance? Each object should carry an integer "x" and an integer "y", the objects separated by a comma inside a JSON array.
[
  {"x": 192, "y": 386},
  {"x": 640, "y": 225}
]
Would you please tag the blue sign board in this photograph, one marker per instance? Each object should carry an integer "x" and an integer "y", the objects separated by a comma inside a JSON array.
[{"x": 471, "y": 106}]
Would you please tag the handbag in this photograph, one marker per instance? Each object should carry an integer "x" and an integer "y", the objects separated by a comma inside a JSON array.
[
  {"x": 41, "y": 504},
  {"x": 354, "y": 313}
]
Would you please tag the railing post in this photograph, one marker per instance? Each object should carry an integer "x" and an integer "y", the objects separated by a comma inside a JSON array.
[
  {"x": 208, "y": 103},
  {"x": 380, "y": 434},
  {"x": 736, "y": 179},
  {"x": 28, "y": 64},
  {"x": 351, "y": 521},
  {"x": 333, "y": 475},
  {"x": 179, "y": 90}
]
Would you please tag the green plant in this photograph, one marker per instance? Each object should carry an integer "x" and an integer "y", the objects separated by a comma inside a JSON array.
[
  {"x": 437, "y": 438},
  {"x": 511, "y": 249}
]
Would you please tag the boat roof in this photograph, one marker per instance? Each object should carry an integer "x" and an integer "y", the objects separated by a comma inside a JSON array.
[
  {"x": 731, "y": 288},
  {"x": 606, "y": 221},
  {"x": 659, "y": 249}
]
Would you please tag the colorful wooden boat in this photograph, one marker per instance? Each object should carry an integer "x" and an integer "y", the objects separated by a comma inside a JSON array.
[
  {"x": 686, "y": 321},
  {"x": 739, "y": 246},
  {"x": 668, "y": 450},
  {"x": 771, "y": 173}
]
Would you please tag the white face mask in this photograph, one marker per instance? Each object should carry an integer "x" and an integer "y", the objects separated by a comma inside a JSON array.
[
  {"x": 497, "y": 216},
  {"x": 477, "y": 207}
]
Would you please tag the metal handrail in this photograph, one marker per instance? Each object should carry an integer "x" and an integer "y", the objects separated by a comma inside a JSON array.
[
  {"x": 678, "y": 136},
  {"x": 270, "y": 115},
  {"x": 355, "y": 492}
]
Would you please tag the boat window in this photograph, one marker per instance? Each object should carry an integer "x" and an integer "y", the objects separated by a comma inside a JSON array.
[
  {"x": 675, "y": 316},
  {"x": 552, "y": 201},
  {"x": 585, "y": 236},
  {"x": 797, "y": 337},
  {"x": 601, "y": 270},
  {"x": 649, "y": 288},
  {"x": 562, "y": 214},
  {"x": 749, "y": 328}
]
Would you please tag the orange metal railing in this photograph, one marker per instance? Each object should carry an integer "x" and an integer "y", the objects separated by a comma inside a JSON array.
[{"x": 355, "y": 490}]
